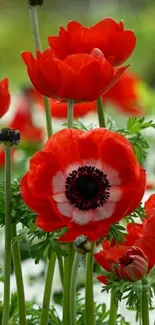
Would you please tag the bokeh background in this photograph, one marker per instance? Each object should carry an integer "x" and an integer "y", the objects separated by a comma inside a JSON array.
[{"x": 15, "y": 37}]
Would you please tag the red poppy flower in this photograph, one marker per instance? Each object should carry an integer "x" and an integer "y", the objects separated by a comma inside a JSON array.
[
  {"x": 124, "y": 94},
  {"x": 109, "y": 36},
  {"x": 140, "y": 236},
  {"x": 80, "y": 77},
  {"x": 22, "y": 121},
  {"x": 4, "y": 96},
  {"x": 86, "y": 190}
]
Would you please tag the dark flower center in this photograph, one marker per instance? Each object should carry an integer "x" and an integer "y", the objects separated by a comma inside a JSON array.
[{"x": 87, "y": 188}]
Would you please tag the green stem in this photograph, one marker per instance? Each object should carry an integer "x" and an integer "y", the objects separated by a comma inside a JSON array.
[
  {"x": 37, "y": 44},
  {"x": 89, "y": 296},
  {"x": 61, "y": 268},
  {"x": 100, "y": 111},
  {"x": 145, "y": 302},
  {"x": 8, "y": 220},
  {"x": 47, "y": 290},
  {"x": 35, "y": 27},
  {"x": 66, "y": 288},
  {"x": 76, "y": 262},
  {"x": 19, "y": 278},
  {"x": 48, "y": 116},
  {"x": 113, "y": 309},
  {"x": 70, "y": 113}
]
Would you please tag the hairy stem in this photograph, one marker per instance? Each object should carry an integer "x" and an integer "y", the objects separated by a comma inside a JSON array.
[
  {"x": 19, "y": 277},
  {"x": 47, "y": 290},
  {"x": 76, "y": 262},
  {"x": 37, "y": 44},
  {"x": 8, "y": 221},
  {"x": 66, "y": 289},
  {"x": 145, "y": 302},
  {"x": 113, "y": 309},
  {"x": 89, "y": 295}
]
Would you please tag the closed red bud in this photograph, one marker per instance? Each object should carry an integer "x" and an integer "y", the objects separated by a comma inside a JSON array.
[{"x": 132, "y": 265}]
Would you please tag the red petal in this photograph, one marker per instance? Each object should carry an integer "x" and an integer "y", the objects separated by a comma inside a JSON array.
[
  {"x": 135, "y": 231},
  {"x": 4, "y": 96},
  {"x": 59, "y": 109},
  {"x": 28, "y": 58},
  {"x": 103, "y": 279},
  {"x": 150, "y": 206},
  {"x": 110, "y": 256},
  {"x": 115, "y": 78},
  {"x": 122, "y": 46},
  {"x": 60, "y": 44},
  {"x": 64, "y": 146},
  {"x": 126, "y": 164},
  {"x": 48, "y": 224},
  {"x": 40, "y": 204},
  {"x": 147, "y": 244}
]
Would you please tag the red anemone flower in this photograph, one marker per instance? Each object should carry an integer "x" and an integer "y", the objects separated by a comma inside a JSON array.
[
  {"x": 22, "y": 121},
  {"x": 124, "y": 95},
  {"x": 80, "y": 77},
  {"x": 141, "y": 236},
  {"x": 4, "y": 96},
  {"x": 87, "y": 190},
  {"x": 109, "y": 36}
]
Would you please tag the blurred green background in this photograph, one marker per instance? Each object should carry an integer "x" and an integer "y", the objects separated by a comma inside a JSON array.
[{"x": 15, "y": 33}]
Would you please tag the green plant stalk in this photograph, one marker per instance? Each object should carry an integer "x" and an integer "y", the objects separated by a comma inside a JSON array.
[
  {"x": 145, "y": 302},
  {"x": 37, "y": 44},
  {"x": 8, "y": 221},
  {"x": 35, "y": 27},
  {"x": 89, "y": 295},
  {"x": 61, "y": 268},
  {"x": 113, "y": 308},
  {"x": 76, "y": 262},
  {"x": 48, "y": 116},
  {"x": 100, "y": 112},
  {"x": 47, "y": 290},
  {"x": 70, "y": 113},
  {"x": 66, "y": 286},
  {"x": 19, "y": 278}
]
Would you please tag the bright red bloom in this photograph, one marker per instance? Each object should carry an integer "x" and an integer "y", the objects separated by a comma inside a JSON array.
[
  {"x": 22, "y": 121},
  {"x": 109, "y": 36},
  {"x": 140, "y": 236},
  {"x": 80, "y": 77},
  {"x": 124, "y": 94},
  {"x": 4, "y": 96},
  {"x": 87, "y": 190}
]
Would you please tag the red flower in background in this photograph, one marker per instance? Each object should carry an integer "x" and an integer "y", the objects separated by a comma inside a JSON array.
[
  {"x": 22, "y": 121},
  {"x": 80, "y": 77},
  {"x": 4, "y": 96},
  {"x": 124, "y": 94},
  {"x": 109, "y": 36},
  {"x": 140, "y": 236},
  {"x": 87, "y": 190}
]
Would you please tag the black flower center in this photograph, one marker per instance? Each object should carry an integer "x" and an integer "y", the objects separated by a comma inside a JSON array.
[{"x": 87, "y": 188}]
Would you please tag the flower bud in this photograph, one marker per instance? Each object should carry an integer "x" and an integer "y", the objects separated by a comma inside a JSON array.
[
  {"x": 82, "y": 244},
  {"x": 9, "y": 136},
  {"x": 132, "y": 265},
  {"x": 35, "y": 2}
]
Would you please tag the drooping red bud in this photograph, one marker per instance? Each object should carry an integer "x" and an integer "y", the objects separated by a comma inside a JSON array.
[{"x": 133, "y": 265}]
